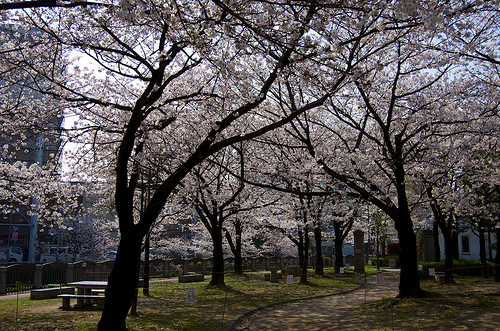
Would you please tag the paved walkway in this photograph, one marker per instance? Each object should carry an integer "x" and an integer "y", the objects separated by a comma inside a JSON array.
[
  {"x": 319, "y": 313},
  {"x": 15, "y": 296}
]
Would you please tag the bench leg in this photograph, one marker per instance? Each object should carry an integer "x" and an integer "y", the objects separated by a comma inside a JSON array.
[
  {"x": 65, "y": 303},
  {"x": 100, "y": 303}
]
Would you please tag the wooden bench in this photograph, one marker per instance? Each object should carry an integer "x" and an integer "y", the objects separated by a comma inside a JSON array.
[{"x": 98, "y": 299}]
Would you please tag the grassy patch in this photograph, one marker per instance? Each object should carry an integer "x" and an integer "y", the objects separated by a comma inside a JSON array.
[
  {"x": 166, "y": 307},
  {"x": 472, "y": 303}
]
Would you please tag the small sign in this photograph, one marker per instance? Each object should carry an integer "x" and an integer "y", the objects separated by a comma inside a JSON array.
[
  {"x": 358, "y": 250},
  {"x": 289, "y": 279},
  {"x": 84, "y": 265},
  {"x": 341, "y": 270},
  {"x": 420, "y": 267},
  {"x": 15, "y": 233},
  {"x": 380, "y": 279},
  {"x": 432, "y": 272},
  {"x": 190, "y": 296}
]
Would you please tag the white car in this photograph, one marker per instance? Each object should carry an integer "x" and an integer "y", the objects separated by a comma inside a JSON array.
[
  {"x": 11, "y": 254},
  {"x": 57, "y": 254}
]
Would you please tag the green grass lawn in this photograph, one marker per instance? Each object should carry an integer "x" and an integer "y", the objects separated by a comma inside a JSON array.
[
  {"x": 473, "y": 303},
  {"x": 166, "y": 307}
]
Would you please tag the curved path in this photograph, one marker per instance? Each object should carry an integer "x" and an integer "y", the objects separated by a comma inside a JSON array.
[{"x": 322, "y": 313}]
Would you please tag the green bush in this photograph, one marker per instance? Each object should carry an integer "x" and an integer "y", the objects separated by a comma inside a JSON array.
[
  {"x": 327, "y": 260},
  {"x": 462, "y": 267},
  {"x": 383, "y": 261}
]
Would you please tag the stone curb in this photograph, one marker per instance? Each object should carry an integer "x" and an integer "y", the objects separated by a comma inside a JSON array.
[{"x": 249, "y": 314}]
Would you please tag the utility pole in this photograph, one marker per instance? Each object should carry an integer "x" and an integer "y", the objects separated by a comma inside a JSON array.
[{"x": 34, "y": 216}]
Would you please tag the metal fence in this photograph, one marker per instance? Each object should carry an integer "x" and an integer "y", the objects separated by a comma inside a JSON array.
[{"x": 24, "y": 277}]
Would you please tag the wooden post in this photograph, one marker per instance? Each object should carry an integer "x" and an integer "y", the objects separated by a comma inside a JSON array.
[{"x": 3, "y": 280}]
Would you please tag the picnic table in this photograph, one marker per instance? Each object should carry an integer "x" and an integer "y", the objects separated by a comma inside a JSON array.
[{"x": 89, "y": 292}]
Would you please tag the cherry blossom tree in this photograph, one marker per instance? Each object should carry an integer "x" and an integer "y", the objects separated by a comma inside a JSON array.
[
  {"x": 184, "y": 80},
  {"x": 192, "y": 76},
  {"x": 343, "y": 218},
  {"x": 215, "y": 200},
  {"x": 376, "y": 130}
]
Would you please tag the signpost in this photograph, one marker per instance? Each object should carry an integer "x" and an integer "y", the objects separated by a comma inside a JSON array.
[
  {"x": 380, "y": 280},
  {"x": 15, "y": 233},
  {"x": 190, "y": 296}
]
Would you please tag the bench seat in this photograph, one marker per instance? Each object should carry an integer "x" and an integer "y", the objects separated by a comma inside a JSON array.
[
  {"x": 191, "y": 278},
  {"x": 98, "y": 299}
]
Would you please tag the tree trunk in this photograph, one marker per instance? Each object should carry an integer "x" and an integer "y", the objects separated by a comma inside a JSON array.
[
  {"x": 482, "y": 250},
  {"x": 409, "y": 283},
  {"x": 448, "y": 256},
  {"x": 339, "y": 255},
  {"x": 490, "y": 251},
  {"x": 122, "y": 284},
  {"x": 319, "y": 256},
  {"x": 238, "y": 259},
  {"x": 497, "y": 257},
  {"x": 218, "y": 255},
  {"x": 303, "y": 274},
  {"x": 456, "y": 252},
  {"x": 437, "y": 248},
  {"x": 236, "y": 247},
  {"x": 145, "y": 289},
  {"x": 300, "y": 249},
  {"x": 449, "y": 244}
]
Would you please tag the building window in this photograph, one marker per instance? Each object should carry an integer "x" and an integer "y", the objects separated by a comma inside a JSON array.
[{"x": 465, "y": 244}]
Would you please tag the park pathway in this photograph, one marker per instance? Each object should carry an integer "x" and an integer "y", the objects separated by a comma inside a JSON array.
[{"x": 322, "y": 313}]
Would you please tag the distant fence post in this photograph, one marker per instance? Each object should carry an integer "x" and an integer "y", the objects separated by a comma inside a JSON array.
[
  {"x": 38, "y": 281},
  {"x": 3, "y": 280},
  {"x": 166, "y": 267},
  {"x": 359, "y": 255},
  {"x": 268, "y": 263},
  {"x": 185, "y": 266},
  {"x": 204, "y": 266},
  {"x": 253, "y": 264},
  {"x": 97, "y": 271},
  {"x": 70, "y": 272}
]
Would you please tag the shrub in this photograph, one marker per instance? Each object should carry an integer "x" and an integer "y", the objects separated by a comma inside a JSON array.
[
  {"x": 383, "y": 261},
  {"x": 462, "y": 267}
]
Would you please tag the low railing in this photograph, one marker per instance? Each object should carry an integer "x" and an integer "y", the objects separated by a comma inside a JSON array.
[{"x": 24, "y": 277}]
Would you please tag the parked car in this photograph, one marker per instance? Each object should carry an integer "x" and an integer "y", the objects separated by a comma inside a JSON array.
[
  {"x": 110, "y": 255},
  {"x": 58, "y": 254},
  {"x": 11, "y": 254}
]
